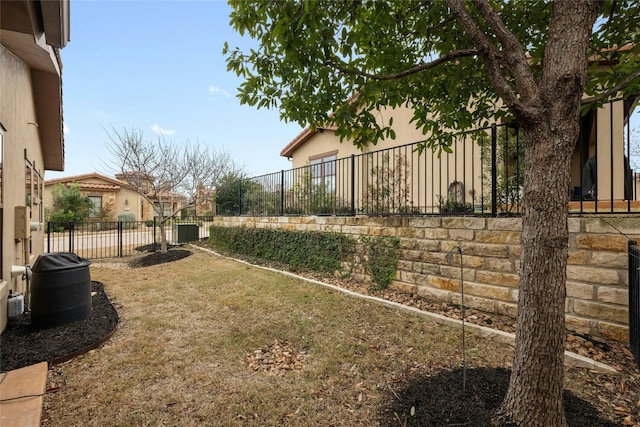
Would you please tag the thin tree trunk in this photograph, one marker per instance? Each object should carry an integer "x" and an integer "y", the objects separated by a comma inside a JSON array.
[{"x": 163, "y": 236}]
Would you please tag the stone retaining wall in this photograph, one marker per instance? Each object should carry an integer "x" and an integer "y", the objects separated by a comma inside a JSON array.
[{"x": 597, "y": 270}]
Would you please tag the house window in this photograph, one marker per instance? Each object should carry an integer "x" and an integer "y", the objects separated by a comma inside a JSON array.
[
  {"x": 36, "y": 196},
  {"x": 166, "y": 210},
  {"x": 28, "y": 173},
  {"x": 323, "y": 172},
  {"x": 97, "y": 206}
]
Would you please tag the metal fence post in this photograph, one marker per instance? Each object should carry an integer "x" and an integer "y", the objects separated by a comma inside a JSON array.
[
  {"x": 120, "y": 239},
  {"x": 353, "y": 185},
  {"x": 494, "y": 172},
  {"x": 71, "y": 236},
  {"x": 240, "y": 197},
  {"x": 154, "y": 234},
  {"x": 282, "y": 192},
  {"x": 49, "y": 236}
]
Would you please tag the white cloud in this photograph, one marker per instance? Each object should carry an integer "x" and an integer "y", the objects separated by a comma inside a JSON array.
[
  {"x": 155, "y": 128},
  {"x": 65, "y": 129},
  {"x": 215, "y": 89}
]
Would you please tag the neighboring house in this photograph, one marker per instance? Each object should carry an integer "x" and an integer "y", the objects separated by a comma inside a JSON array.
[
  {"x": 207, "y": 207},
  {"x": 31, "y": 136},
  {"x": 109, "y": 195},
  {"x": 168, "y": 201},
  {"x": 462, "y": 172}
]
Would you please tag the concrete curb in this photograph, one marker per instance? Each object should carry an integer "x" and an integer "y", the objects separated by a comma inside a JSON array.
[{"x": 570, "y": 359}]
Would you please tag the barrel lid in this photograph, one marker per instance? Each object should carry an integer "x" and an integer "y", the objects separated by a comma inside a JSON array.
[{"x": 58, "y": 261}]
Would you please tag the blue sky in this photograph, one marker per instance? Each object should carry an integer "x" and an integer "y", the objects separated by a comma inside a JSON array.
[{"x": 158, "y": 66}]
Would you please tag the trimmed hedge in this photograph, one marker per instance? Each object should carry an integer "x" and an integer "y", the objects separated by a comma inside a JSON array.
[{"x": 299, "y": 250}]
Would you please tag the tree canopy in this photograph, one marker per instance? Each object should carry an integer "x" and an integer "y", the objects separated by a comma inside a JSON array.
[
  {"x": 69, "y": 205},
  {"x": 333, "y": 62}
]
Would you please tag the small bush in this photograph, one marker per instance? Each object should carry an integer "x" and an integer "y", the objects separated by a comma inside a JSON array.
[
  {"x": 450, "y": 206},
  {"x": 381, "y": 261},
  {"x": 128, "y": 221}
]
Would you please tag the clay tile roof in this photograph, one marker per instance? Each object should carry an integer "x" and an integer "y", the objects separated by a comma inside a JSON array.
[
  {"x": 111, "y": 183},
  {"x": 94, "y": 186}
]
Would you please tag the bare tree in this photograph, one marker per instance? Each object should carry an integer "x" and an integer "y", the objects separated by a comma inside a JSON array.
[{"x": 169, "y": 176}]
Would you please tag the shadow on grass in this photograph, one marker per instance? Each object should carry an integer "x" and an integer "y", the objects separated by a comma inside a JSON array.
[{"x": 440, "y": 400}]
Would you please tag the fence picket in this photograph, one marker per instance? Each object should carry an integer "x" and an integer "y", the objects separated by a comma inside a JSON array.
[{"x": 634, "y": 300}]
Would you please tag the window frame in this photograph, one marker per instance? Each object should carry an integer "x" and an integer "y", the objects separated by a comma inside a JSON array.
[
  {"x": 325, "y": 164},
  {"x": 94, "y": 212},
  {"x": 28, "y": 184}
]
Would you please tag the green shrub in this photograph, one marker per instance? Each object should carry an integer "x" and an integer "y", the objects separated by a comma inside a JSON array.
[
  {"x": 381, "y": 260},
  {"x": 299, "y": 250},
  {"x": 450, "y": 206},
  {"x": 128, "y": 221},
  {"x": 69, "y": 205}
]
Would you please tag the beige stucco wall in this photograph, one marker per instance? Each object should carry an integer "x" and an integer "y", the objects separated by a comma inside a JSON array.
[
  {"x": 325, "y": 141},
  {"x": 18, "y": 117},
  {"x": 597, "y": 284},
  {"x": 610, "y": 133},
  {"x": 124, "y": 201},
  {"x": 436, "y": 172}
]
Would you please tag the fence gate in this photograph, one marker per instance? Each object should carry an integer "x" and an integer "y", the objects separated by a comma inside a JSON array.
[{"x": 634, "y": 300}]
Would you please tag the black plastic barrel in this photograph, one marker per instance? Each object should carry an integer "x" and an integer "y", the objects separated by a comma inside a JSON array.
[{"x": 60, "y": 290}]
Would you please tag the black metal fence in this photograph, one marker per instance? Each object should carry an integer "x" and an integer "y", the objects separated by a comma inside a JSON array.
[
  {"x": 111, "y": 239},
  {"x": 634, "y": 300},
  {"x": 482, "y": 175}
]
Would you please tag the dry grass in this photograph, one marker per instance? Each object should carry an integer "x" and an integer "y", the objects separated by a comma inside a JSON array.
[{"x": 179, "y": 356}]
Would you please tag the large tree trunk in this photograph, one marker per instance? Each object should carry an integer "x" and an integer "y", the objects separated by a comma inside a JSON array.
[{"x": 534, "y": 397}]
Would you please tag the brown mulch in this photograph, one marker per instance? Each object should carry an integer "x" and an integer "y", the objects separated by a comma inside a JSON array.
[
  {"x": 159, "y": 258},
  {"x": 24, "y": 345}
]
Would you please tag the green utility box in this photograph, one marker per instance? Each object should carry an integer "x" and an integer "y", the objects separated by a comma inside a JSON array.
[{"x": 183, "y": 233}]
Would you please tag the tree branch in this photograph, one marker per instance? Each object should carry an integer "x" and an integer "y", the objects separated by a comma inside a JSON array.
[
  {"x": 513, "y": 52},
  {"x": 493, "y": 60},
  {"x": 339, "y": 65},
  {"x": 613, "y": 90}
]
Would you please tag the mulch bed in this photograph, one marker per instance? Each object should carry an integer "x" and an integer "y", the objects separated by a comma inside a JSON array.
[
  {"x": 24, "y": 345},
  {"x": 440, "y": 400},
  {"x": 159, "y": 258}
]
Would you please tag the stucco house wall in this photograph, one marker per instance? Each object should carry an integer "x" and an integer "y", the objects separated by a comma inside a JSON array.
[
  {"x": 21, "y": 144},
  {"x": 113, "y": 192},
  {"x": 438, "y": 171},
  {"x": 31, "y": 139},
  {"x": 309, "y": 144}
]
